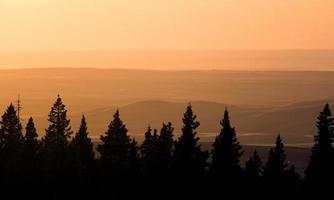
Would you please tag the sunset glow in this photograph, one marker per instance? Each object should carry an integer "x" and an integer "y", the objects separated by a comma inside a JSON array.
[
  {"x": 45, "y": 25},
  {"x": 166, "y": 99}
]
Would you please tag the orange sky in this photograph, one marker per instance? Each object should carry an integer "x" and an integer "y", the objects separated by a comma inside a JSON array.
[{"x": 165, "y": 24}]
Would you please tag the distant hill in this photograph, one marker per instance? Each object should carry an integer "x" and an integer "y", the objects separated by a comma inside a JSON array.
[
  {"x": 256, "y": 126},
  {"x": 87, "y": 89},
  {"x": 262, "y": 103}
]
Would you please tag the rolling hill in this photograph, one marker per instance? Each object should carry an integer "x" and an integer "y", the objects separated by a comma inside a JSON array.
[
  {"x": 254, "y": 125},
  {"x": 261, "y": 103}
]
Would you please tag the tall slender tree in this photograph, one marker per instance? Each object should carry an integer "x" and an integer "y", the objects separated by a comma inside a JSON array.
[
  {"x": 56, "y": 139},
  {"x": 118, "y": 153},
  {"x": 276, "y": 164},
  {"x": 292, "y": 181},
  {"x": 254, "y": 168},
  {"x": 31, "y": 142},
  {"x": 149, "y": 152},
  {"x": 253, "y": 176},
  {"x": 189, "y": 158},
  {"x": 156, "y": 151},
  {"x": 115, "y": 148},
  {"x": 31, "y": 153},
  {"x": 226, "y": 151},
  {"x": 11, "y": 141},
  {"x": 81, "y": 148},
  {"x": 165, "y": 148},
  {"x": 320, "y": 168},
  {"x": 134, "y": 159},
  {"x": 31, "y": 162},
  {"x": 277, "y": 176}
]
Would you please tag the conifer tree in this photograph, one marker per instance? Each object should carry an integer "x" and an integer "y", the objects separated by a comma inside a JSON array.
[
  {"x": 253, "y": 169},
  {"x": 117, "y": 154},
  {"x": 56, "y": 139},
  {"x": 11, "y": 141},
  {"x": 156, "y": 150},
  {"x": 226, "y": 152},
  {"x": 31, "y": 148},
  {"x": 320, "y": 168},
  {"x": 115, "y": 148},
  {"x": 275, "y": 174},
  {"x": 134, "y": 161},
  {"x": 165, "y": 147},
  {"x": 149, "y": 152},
  {"x": 292, "y": 181},
  {"x": 31, "y": 163},
  {"x": 149, "y": 145},
  {"x": 31, "y": 138},
  {"x": 276, "y": 164},
  {"x": 253, "y": 175},
  {"x": 81, "y": 148},
  {"x": 189, "y": 159},
  {"x": 11, "y": 130}
]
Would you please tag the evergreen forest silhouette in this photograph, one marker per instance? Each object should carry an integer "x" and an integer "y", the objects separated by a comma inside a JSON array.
[{"x": 64, "y": 164}]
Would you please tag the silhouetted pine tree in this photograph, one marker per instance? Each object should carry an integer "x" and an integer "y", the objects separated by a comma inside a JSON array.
[
  {"x": 149, "y": 152},
  {"x": 253, "y": 175},
  {"x": 11, "y": 141},
  {"x": 134, "y": 160},
  {"x": 55, "y": 142},
  {"x": 276, "y": 164},
  {"x": 31, "y": 143},
  {"x": 31, "y": 170},
  {"x": 226, "y": 152},
  {"x": 134, "y": 171},
  {"x": 117, "y": 152},
  {"x": 115, "y": 148},
  {"x": 149, "y": 143},
  {"x": 165, "y": 148},
  {"x": 254, "y": 168},
  {"x": 156, "y": 151},
  {"x": 277, "y": 178},
  {"x": 81, "y": 148},
  {"x": 292, "y": 181},
  {"x": 189, "y": 159},
  {"x": 319, "y": 171},
  {"x": 31, "y": 153}
]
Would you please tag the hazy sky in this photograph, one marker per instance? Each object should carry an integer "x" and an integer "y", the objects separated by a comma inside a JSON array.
[{"x": 166, "y": 24}]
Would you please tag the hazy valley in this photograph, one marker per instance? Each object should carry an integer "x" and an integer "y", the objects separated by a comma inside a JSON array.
[{"x": 261, "y": 104}]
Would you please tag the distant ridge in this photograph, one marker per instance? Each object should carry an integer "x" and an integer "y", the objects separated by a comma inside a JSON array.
[
  {"x": 261, "y": 103},
  {"x": 255, "y": 126}
]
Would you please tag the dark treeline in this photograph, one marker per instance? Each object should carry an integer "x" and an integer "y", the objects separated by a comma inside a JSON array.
[{"x": 62, "y": 164}]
